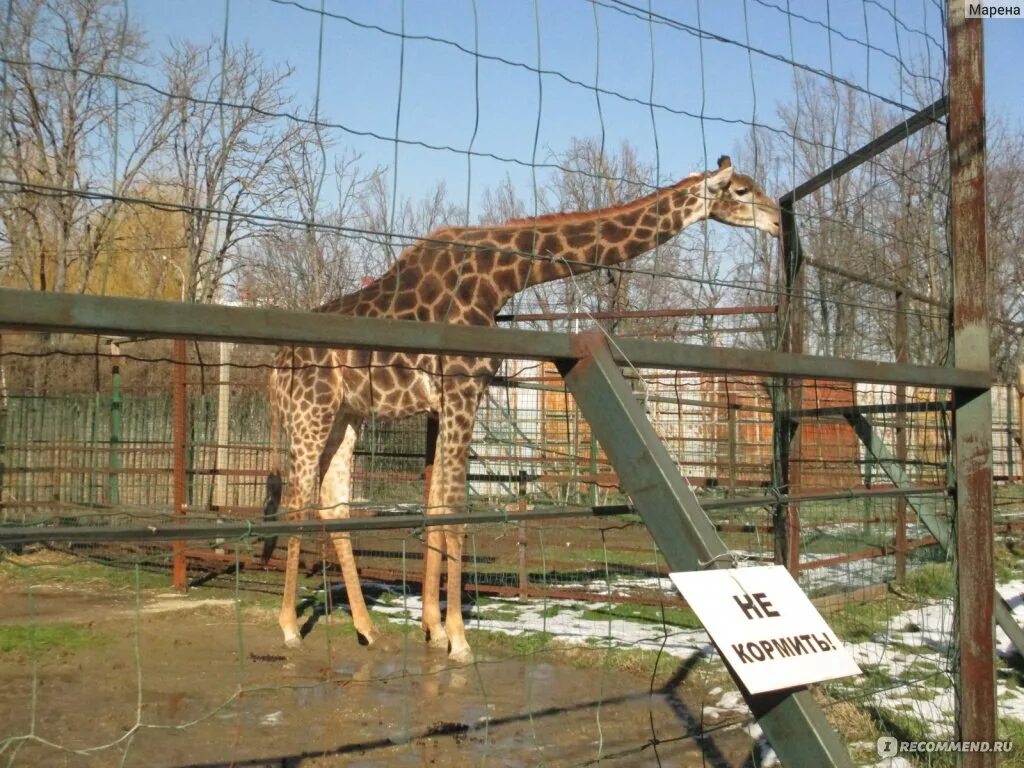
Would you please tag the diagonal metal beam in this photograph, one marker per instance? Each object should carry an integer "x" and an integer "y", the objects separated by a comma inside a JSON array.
[
  {"x": 926, "y": 508},
  {"x": 791, "y": 720},
  {"x": 900, "y": 132}
]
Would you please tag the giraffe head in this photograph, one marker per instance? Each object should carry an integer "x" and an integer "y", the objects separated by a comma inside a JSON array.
[{"x": 735, "y": 198}]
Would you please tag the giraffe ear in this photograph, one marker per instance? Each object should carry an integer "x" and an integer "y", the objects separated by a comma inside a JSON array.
[{"x": 720, "y": 179}]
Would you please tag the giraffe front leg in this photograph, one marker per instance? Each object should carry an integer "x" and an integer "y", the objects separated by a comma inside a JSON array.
[
  {"x": 360, "y": 615},
  {"x": 454, "y": 434},
  {"x": 335, "y": 497}
]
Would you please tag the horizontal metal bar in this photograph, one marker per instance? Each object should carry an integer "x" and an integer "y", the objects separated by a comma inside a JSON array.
[
  {"x": 799, "y": 498},
  {"x": 513, "y": 383},
  {"x": 853, "y": 410},
  {"x": 930, "y": 114},
  {"x": 233, "y": 529},
  {"x": 27, "y": 534},
  {"x": 643, "y": 314},
  {"x": 40, "y": 311}
]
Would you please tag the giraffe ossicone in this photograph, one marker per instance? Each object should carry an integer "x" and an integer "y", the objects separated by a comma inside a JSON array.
[{"x": 465, "y": 276}]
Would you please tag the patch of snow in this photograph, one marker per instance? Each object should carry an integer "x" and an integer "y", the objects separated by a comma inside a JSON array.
[
  {"x": 172, "y": 602},
  {"x": 272, "y": 718},
  {"x": 916, "y": 641}
]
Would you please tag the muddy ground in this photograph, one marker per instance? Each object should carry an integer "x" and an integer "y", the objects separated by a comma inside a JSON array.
[{"x": 137, "y": 677}]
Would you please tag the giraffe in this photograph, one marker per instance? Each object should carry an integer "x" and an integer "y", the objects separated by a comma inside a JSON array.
[{"x": 455, "y": 275}]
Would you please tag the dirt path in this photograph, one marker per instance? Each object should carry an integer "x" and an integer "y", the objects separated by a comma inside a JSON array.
[{"x": 209, "y": 684}]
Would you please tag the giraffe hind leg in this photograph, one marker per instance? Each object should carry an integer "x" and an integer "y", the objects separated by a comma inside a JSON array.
[
  {"x": 288, "y": 619},
  {"x": 433, "y": 554},
  {"x": 307, "y": 443}
]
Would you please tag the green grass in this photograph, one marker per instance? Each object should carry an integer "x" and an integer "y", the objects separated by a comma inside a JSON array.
[
  {"x": 859, "y": 622},
  {"x": 919, "y": 667},
  {"x": 596, "y": 557},
  {"x": 908, "y": 648},
  {"x": 875, "y": 676},
  {"x": 74, "y": 571},
  {"x": 919, "y": 693},
  {"x": 1011, "y": 729},
  {"x": 498, "y": 614},
  {"x": 41, "y": 638},
  {"x": 502, "y": 645},
  {"x": 931, "y": 581},
  {"x": 1007, "y": 558},
  {"x": 651, "y": 614}
]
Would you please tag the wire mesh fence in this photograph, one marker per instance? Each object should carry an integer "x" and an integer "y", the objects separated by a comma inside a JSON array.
[
  {"x": 293, "y": 154},
  {"x": 580, "y": 605}
]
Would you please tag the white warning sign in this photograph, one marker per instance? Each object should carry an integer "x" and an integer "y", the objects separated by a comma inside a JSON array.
[{"x": 765, "y": 626}]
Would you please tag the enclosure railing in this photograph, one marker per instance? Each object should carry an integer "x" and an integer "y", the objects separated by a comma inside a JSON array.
[{"x": 29, "y": 311}]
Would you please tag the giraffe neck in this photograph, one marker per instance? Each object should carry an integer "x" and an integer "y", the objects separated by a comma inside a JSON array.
[
  {"x": 576, "y": 243},
  {"x": 466, "y": 275}
]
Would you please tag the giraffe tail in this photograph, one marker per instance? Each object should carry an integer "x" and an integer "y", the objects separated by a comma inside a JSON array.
[{"x": 271, "y": 508}]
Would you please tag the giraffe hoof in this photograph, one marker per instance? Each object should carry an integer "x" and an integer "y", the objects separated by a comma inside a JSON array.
[
  {"x": 293, "y": 641},
  {"x": 462, "y": 655},
  {"x": 368, "y": 638},
  {"x": 437, "y": 638}
]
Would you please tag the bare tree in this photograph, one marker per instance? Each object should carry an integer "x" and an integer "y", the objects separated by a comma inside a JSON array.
[
  {"x": 303, "y": 266},
  {"x": 1005, "y": 243},
  {"x": 227, "y": 135},
  {"x": 391, "y": 225},
  {"x": 68, "y": 88},
  {"x": 885, "y": 221},
  {"x": 502, "y": 203}
]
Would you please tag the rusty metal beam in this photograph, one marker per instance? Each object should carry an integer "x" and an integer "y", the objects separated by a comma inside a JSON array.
[
  {"x": 975, "y": 684},
  {"x": 863, "y": 410}
]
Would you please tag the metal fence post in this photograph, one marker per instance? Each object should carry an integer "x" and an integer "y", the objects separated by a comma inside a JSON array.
[
  {"x": 524, "y": 574},
  {"x": 3, "y": 431},
  {"x": 732, "y": 416},
  {"x": 1010, "y": 473},
  {"x": 1020, "y": 416},
  {"x": 220, "y": 480},
  {"x": 902, "y": 356},
  {"x": 179, "y": 390},
  {"x": 972, "y": 420},
  {"x": 113, "y": 486},
  {"x": 790, "y": 393}
]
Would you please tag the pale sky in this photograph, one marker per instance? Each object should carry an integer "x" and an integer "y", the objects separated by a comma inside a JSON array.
[{"x": 706, "y": 88}]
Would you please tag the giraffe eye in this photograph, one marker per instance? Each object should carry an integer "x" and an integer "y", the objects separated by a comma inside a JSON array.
[{"x": 742, "y": 191}]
